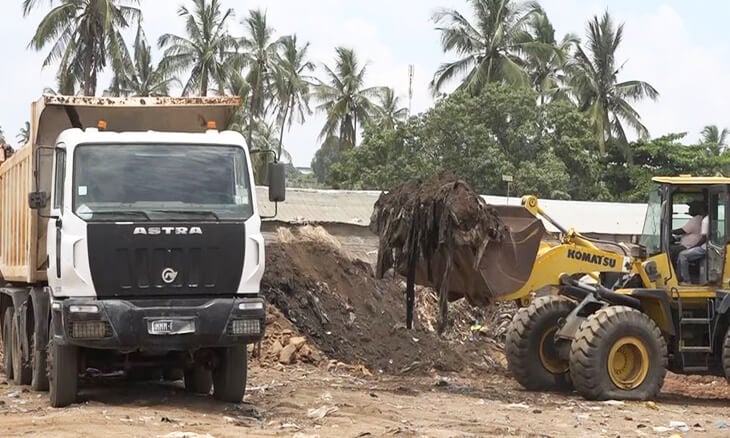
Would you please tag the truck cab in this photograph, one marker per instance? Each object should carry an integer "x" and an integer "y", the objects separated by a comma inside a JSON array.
[{"x": 149, "y": 252}]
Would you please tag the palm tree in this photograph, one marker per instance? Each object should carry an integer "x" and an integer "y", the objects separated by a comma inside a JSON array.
[
  {"x": 139, "y": 76},
  {"x": 594, "y": 77},
  {"x": 344, "y": 98},
  {"x": 714, "y": 140},
  {"x": 205, "y": 51},
  {"x": 259, "y": 50},
  {"x": 487, "y": 47},
  {"x": 545, "y": 58},
  {"x": 292, "y": 84},
  {"x": 24, "y": 134},
  {"x": 84, "y": 34},
  {"x": 390, "y": 110}
]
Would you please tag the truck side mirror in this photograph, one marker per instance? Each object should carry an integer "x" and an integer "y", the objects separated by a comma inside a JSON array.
[
  {"x": 277, "y": 182},
  {"x": 37, "y": 200}
]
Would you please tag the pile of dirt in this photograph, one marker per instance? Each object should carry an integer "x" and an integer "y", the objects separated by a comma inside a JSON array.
[
  {"x": 351, "y": 316},
  {"x": 435, "y": 232}
]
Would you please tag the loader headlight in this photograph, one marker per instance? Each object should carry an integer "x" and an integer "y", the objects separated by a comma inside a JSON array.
[{"x": 90, "y": 329}]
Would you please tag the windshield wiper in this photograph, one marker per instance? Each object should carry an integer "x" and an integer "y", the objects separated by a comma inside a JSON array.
[
  {"x": 120, "y": 213},
  {"x": 196, "y": 212}
]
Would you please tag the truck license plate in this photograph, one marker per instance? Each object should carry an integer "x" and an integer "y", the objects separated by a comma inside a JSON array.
[{"x": 170, "y": 326}]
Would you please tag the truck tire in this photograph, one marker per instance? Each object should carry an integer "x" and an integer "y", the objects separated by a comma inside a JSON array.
[
  {"x": 22, "y": 372},
  {"x": 531, "y": 354},
  {"x": 39, "y": 381},
  {"x": 198, "y": 380},
  {"x": 63, "y": 374},
  {"x": 618, "y": 353},
  {"x": 8, "y": 343},
  {"x": 229, "y": 377}
]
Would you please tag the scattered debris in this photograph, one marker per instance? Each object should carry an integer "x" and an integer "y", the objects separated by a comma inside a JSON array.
[{"x": 321, "y": 412}]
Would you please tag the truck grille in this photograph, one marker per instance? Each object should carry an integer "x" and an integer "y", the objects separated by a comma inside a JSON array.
[{"x": 124, "y": 264}]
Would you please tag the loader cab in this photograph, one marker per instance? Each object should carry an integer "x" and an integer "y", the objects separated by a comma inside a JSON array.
[{"x": 673, "y": 202}]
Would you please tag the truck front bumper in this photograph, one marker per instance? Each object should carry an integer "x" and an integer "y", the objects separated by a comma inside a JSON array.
[{"x": 158, "y": 325}]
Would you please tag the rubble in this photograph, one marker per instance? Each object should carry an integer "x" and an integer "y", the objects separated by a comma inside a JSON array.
[{"x": 328, "y": 305}]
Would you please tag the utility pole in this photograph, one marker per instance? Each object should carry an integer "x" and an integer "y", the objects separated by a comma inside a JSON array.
[{"x": 508, "y": 179}]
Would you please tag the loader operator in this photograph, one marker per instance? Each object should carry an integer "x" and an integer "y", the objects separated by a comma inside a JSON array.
[{"x": 693, "y": 241}]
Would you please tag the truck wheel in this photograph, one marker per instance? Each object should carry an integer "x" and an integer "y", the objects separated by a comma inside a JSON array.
[
  {"x": 532, "y": 356},
  {"x": 22, "y": 372},
  {"x": 39, "y": 366},
  {"x": 8, "y": 343},
  {"x": 229, "y": 377},
  {"x": 63, "y": 373},
  {"x": 619, "y": 353},
  {"x": 198, "y": 380}
]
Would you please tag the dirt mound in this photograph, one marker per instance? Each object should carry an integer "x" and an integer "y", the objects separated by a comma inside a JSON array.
[
  {"x": 351, "y": 316},
  {"x": 435, "y": 232}
]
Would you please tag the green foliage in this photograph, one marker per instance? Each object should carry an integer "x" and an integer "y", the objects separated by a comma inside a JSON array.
[
  {"x": 387, "y": 157},
  {"x": 661, "y": 157},
  {"x": 501, "y": 131}
]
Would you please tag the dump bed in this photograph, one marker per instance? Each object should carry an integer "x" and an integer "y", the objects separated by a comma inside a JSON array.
[{"x": 23, "y": 231}]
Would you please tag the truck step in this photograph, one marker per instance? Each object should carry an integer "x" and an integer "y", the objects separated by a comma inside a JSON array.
[
  {"x": 696, "y": 349},
  {"x": 693, "y": 321}
]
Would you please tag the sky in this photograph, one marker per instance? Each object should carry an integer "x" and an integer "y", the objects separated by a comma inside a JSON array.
[{"x": 678, "y": 48}]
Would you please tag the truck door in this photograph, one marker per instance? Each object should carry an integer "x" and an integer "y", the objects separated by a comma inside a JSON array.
[
  {"x": 55, "y": 225},
  {"x": 716, "y": 240}
]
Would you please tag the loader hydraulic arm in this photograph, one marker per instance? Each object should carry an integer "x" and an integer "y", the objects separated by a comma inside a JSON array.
[{"x": 574, "y": 254}]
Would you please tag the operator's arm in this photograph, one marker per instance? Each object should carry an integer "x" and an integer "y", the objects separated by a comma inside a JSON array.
[{"x": 705, "y": 227}]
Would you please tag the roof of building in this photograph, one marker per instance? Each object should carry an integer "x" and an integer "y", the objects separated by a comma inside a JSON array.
[
  {"x": 355, "y": 208},
  {"x": 691, "y": 180}
]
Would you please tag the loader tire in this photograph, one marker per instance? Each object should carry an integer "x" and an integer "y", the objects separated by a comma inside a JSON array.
[
  {"x": 8, "y": 343},
  {"x": 726, "y": 355},
  {"x": 618, "y": 353},
  {"x": 531, "y": 354}
]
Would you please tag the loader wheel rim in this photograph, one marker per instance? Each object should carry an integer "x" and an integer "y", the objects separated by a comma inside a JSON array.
[
  {"x": 628, "y": 363},
  {"x": 549, "y": 356}
]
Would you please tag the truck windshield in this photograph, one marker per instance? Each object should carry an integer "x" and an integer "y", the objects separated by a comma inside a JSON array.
[
  {"x": 651, "y": 234},
  {"x": 161, "y": 182}
]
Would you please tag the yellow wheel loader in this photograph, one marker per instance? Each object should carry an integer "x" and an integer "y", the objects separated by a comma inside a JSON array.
[{"x": 614, "y": 337}]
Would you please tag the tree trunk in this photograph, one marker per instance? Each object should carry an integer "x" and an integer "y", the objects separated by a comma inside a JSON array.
[
  {"x": 289, "y": 103},
  {"x": 204, "y": 84}
]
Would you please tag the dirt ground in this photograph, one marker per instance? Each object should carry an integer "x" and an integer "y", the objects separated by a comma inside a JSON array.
[
  {"x": 337, "y": 361},
  {"x": 306, "y": 401}
]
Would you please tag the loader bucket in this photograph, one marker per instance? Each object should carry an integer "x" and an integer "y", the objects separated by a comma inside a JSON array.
[{"x": 507, "y": 264}]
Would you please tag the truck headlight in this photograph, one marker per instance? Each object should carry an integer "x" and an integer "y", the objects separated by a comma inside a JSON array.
[
  {"x": 83, "y": 308},
  {"x": 244, "y": 327},
  {"x": 253, "y": 305},
  {"x": 90, "y": 329}
]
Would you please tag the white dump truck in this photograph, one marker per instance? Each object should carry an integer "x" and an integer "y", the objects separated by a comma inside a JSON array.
[{"x": 130, "y": 241}]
